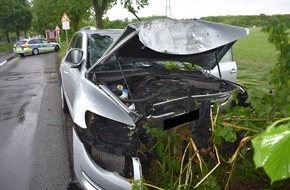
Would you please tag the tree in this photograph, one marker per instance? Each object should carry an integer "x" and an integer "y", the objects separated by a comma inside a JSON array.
[
  {"x": 47, "y": 13},
  {"x": 102, "y": 6},
  {"x": 15, "y": 16},
  {"x": 77, "y": 10},
  {"x": 7, "y": 9},
  {"x": 22, "y": 16}
]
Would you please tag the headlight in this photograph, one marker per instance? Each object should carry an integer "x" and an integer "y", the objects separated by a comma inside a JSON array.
[
  {"x": 111, "y": 144},
  {"x": 109, "y": 135}
]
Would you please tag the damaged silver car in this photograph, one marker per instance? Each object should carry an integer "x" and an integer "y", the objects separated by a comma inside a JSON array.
[{"x": 152, "y": 73}]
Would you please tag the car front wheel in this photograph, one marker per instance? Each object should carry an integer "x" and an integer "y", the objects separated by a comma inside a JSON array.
[{"x": 35, "y": 51}]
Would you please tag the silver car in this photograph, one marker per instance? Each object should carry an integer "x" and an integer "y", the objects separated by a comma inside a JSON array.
[{"x": 154, "y": 73}]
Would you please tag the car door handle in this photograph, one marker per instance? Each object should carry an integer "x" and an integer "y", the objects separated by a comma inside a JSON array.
[
  {"x": 233, "y": 71},
  {"x": 65, "y": 72}
]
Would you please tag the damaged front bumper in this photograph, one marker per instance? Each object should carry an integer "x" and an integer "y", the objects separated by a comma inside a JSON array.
[{"x": 92, "y": 176}]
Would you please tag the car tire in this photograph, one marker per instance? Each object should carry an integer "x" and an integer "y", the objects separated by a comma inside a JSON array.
[
  {"x": 21, "y": 54},
  {"x": 35, "y": 51},
  {"x": 63, "y": 101},
  {"x": 56, "y": 49}
]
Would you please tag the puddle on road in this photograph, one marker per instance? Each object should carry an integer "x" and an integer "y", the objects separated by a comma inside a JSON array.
[
  {"x": 52, "y": 82},
  {"x": 6, "y": 115},
  {"x": 13, "y": 78},
  {"x": 21, "y": 113},
  {"x": 49, "y": 71}
]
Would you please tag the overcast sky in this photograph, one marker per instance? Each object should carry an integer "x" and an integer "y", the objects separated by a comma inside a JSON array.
[{"x": 199, "y": 8}]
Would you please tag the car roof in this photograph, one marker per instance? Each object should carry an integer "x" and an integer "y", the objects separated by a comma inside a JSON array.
[{"x": 92, "y": 30}]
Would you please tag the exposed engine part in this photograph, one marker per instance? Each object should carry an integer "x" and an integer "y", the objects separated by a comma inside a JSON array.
[
  {"x": 200, "y": 128},
  {"x": 112, "y": 145}
]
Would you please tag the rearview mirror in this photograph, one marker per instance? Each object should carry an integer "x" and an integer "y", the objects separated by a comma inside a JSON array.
[{"x": 74, "y": 56}]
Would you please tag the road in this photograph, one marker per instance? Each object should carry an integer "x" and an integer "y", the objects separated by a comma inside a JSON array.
[{"x": 34, "y": 141}]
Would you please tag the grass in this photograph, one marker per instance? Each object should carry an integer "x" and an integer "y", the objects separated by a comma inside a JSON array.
[
  {"x": 63, "y": 49},
  {"x": 255, "y": 58},
  {"x": 4, "y": 47}
]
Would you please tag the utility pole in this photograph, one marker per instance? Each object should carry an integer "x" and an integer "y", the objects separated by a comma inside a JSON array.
[{"x": 168, "y": 9}]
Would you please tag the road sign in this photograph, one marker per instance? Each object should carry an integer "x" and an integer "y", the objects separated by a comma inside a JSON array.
[
  {"x": 65, "y": 26},
  {"x": 57, "y": 29},
  {"x": 65, "y": 18}
]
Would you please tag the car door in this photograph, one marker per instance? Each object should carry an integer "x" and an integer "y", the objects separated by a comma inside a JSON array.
[
  {"x": 70, "y": 74},
  {"x": 39, "y": 45},
  {"x": 46, "y": 46}
]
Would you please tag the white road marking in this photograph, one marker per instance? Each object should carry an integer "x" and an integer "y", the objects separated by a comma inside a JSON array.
[{"x": 3, "y": 63}]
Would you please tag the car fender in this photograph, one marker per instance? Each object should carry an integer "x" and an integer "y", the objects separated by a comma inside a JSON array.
[{"x": 97, "y": 101}]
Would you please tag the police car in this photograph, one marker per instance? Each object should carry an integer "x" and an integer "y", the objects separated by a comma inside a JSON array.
[{"x": 34, "y": 46}]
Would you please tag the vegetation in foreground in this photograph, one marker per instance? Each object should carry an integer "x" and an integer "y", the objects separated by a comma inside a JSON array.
[{"x": 249, "y": 147}]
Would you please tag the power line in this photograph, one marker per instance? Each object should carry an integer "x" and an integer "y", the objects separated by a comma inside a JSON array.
[{"x": 168, "y": 9}]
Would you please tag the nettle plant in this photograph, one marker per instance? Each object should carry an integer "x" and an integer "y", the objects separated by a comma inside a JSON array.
[
  {"x": 266, "y": 120},
  {"x": 272, "y": 145}
]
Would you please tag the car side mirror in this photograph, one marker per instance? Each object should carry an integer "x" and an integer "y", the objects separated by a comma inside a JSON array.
[{"x": 74, "y": 56}]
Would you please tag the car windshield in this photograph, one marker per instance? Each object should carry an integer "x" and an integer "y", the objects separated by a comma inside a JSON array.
[
  {"x": 113, "y": 64},
  {"x": 97, "y": 45}
]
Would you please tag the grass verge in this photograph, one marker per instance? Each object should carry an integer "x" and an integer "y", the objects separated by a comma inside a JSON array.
[
  {"x": 4, "y": 47},
  {"x": 63, "y": 50},
  {"x": 255, "y": 58}
]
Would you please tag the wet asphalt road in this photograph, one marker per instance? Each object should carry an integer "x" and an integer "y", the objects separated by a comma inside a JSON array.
[{"x": 34, "y": 141}]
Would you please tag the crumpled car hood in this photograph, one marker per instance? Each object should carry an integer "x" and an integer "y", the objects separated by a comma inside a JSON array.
[{"x": 196, "y": 41}]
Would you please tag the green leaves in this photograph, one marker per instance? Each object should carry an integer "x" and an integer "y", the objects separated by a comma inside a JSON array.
[
  {"x": 272, "y": 150},
  {"x": 226, "y": 133}
]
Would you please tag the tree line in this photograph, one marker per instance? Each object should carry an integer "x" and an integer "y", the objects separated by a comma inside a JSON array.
[
  {"x": 249, "y": 21},
  {"x": 39, "y": 15}
]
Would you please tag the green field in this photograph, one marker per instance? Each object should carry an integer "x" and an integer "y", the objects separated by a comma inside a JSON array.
[{"x": 255, "y": 58}]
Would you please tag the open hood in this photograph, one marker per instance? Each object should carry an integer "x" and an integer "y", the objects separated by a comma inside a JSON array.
[{"x": 195, "y": 41}]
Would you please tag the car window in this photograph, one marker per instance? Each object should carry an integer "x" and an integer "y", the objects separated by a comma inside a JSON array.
[
  {"x": 79, "y": 41},
  {"x": 36, "y": 41},
  {"x": 72, "y": 41},
  {"x": 21, "y": 42},
  {"x": 76, "y": 42},
  {"x": 228, "y": 57},
  {"x": 97, "y": 45},
  {"x": 32, "y": 42}
]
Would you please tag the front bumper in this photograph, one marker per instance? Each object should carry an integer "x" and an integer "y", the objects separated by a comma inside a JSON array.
[{"x": 92, "y": 176}]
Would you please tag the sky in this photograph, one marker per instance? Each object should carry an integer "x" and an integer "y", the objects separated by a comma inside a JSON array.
[{"x": 185, "y": 9}]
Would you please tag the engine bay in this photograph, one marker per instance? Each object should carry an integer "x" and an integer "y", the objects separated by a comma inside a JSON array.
[
  {"x": 155, "y": 89},
  {"x": 163, "y": 98}
]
